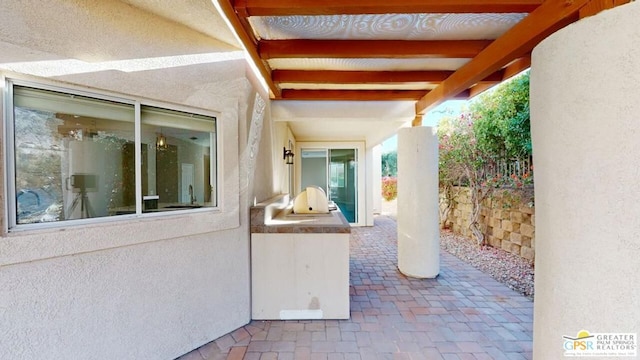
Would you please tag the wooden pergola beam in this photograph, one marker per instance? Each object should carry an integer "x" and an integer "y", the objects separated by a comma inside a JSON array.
[
  {"x": 465, "y": 95},
  {"x": 513, "y": 69},
  {"x": 397, "y": 49},
  {"x": 248, "y": 41},
  {"x": 479, "y": 88},
  {"x": 354, "y": 95},
  {"x": 370, "y": 77},
  {"x": 516, "y": 67},
  {"x": 517, "y": 41},
  {"x": 349, "y": 7},
  {"x": 360, "y": 95}
]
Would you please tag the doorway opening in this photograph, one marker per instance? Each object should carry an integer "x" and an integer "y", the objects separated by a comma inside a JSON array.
[{"x": 337, "y": 171}]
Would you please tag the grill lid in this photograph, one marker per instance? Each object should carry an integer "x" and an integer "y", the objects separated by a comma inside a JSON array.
[{"x": 312, "y": 200}]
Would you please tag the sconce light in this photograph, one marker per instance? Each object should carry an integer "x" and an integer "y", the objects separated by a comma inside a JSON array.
[
  {"x": 161, "y": 142},
  {"x": 287, "y": 155}
]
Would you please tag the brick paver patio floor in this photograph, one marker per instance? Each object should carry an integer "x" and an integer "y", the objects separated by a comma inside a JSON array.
[{"x": 463, "y": 314}]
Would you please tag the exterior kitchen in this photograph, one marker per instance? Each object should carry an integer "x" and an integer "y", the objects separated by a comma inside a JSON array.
[
  {"x": 172, "y": 170},
  {"x": 299, "y": 258}
]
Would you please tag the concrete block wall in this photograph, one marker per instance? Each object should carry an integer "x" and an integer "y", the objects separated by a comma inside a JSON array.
[{"x": 507, "y": 219}]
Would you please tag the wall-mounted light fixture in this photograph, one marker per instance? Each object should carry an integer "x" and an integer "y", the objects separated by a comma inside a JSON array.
[
  {"x": 161, "y": 141},
  {"x": 287, "y": 155}
]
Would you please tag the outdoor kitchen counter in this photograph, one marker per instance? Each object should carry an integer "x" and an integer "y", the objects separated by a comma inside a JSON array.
[
  {"x": 299, "y": 263},
  {"x": 285, "y": 221}
]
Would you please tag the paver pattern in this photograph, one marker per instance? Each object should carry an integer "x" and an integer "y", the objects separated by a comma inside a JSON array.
[{"x": 463, "y": 314}]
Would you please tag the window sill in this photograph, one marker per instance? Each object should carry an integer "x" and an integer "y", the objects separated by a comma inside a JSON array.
[{"x": 33, "y": 243}]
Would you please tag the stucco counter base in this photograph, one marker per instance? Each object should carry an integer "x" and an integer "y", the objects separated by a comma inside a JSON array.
[{"x": 299, "y": 265}]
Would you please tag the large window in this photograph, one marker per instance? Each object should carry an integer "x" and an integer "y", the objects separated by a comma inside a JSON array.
[{"x": 76, "y": 156}]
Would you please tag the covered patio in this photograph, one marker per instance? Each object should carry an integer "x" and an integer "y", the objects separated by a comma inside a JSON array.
[
  {"x": 128, "y": 282},
  {"x": 461, "y": 314}
]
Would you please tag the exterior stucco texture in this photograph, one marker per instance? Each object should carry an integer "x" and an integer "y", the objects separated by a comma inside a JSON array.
[
  {"x": 584, "y": 118},
  {"x": 147, "y": 288}
]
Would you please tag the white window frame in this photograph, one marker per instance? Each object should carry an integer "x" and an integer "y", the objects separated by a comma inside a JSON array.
[{"x": 10, "y": 205}]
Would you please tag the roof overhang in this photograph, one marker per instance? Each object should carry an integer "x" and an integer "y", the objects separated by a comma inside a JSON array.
[
  {"x": 421, "y": 50},
  {"x": 358, "y": 55}
]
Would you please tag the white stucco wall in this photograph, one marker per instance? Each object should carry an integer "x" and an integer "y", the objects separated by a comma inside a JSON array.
[
  {"x": 376, "y": 181},
  {"x": 147, "y": 288},
  {"x": 283, "y": 175},
  {"x": 585, "y": 87},
  {"x": 373, "y": 183},
  {"x": 269, "y": 158}
]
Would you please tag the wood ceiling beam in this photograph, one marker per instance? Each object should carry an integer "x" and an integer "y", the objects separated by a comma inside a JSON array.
[
  {"x": 354, "y": 95},
  {"x": 351, "y": 7},
  {"x": 369, "y": 77},
  {"x": 495, "y": 77},
  {"x": 357, "y": 77},
  {"x": 397, "y": 49},
  {"x": 517, "y": 66},
  {"x": 463, "y": 95},
  {"x": 479, "y": 88},
  {"x": 361, "y": 95},
  {"x": 241, "y": 27},
  {"x": 417, "y": 121},
  {"x": 517, "y": 41}
]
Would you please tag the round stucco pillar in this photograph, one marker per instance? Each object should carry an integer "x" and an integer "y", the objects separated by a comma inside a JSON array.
[
  {"x": 418, "y": 226},
  {"x": 585, "y": 124}
]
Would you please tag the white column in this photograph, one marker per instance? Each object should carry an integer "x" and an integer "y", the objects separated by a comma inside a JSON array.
[
  {"x": 585, "y": 101},
  {"x": 376, "y": 180},
  {"x": 418, "y": 227}
]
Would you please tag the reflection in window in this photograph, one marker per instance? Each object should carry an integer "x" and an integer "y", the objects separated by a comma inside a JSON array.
[
  {"x": 74, "y": 157},
  {"x": 337, "y": 174},
  {"x": 176, "y": 158},
  {"x": 70, "y": 153}
]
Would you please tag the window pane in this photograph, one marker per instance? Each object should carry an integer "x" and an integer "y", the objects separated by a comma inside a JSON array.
[
  {"x": 314, "y": 168},
  {"x": 178, "y": 160},
  {"x": 74, "y": 156},
  {"x": 344, "y": 170}
]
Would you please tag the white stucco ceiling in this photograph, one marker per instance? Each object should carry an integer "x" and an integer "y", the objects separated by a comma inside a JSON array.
[{"x": 369, "y": 121}]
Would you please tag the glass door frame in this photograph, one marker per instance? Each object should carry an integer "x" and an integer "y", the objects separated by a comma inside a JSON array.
[{"x": 361, "y": 170}]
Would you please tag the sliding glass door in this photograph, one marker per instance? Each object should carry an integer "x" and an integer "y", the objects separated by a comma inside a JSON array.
[
  {"x": 336, "y": 171},
  {"x": 314, "y": 168},
  {"x": 343, "y": 181}
]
